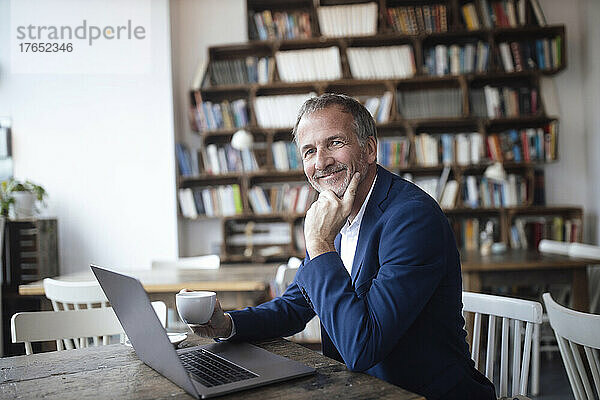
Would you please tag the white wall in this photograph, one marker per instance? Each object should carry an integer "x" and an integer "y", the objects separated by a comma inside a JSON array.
[
  {"x": 196, "y": 25},
  {"x": 575, "y": 177},
  {"x": 591, "y": 99},
  {"x": 102, "y": 145}
]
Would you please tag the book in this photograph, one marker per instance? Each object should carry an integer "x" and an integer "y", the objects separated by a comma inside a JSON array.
[
  {"x": 186, "y": 203},
  {"x": 393, "y": 152},
  {"x": 449, "y": 195},
  {"x": 469, "y": 14},
  {"x": 441, "y": 186},
  {"x": 538, "y": 12},
  {"x": 348, "y": 20},
  {"x": 386, "y": 62},
  {"x": 507, "y": 60},
  {"x": 309, "y": 64},
  {"x": 279, "y": 111},
  {"x": 428, "y": 103},
  {"x": 183, "y": 159},
  {"x": 415, "y": 19}
]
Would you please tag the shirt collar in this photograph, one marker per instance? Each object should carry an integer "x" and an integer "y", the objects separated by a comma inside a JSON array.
[{"x": 357, "y": 220}]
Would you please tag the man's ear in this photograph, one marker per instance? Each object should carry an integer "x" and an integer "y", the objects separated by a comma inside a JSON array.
[{"x": 371, "y": 148}]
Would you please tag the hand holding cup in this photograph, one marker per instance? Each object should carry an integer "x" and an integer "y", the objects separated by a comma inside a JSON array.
[{"x": 203, "y": 314}]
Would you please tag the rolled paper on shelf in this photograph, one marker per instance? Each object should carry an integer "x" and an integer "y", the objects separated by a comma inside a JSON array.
[
  {"x": 578, "y": 250},
  {"x": 554, "y": 247},
  {"x": 584, "y": 251}
]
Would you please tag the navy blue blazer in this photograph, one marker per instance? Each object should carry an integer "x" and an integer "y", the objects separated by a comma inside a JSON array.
[{"x": 398, "y": 316}]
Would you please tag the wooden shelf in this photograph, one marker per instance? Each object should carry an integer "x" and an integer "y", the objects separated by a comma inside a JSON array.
[
  {"x": 397, "y": 125},
  {"x": 273, "y": 216}
]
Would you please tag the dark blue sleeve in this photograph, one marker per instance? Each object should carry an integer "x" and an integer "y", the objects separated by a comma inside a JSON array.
[
  {"x": 282, "y": 316},
  {"x": 411, "y": 260}
]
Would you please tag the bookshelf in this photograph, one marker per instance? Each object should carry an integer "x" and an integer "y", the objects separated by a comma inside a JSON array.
[{"x": 482, "y": 88}]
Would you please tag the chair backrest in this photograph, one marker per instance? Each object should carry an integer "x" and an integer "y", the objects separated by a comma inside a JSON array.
[
  {"x": 576, "y": 331},
  {"x": 510, "y": 311},
  {"x": 38, "y": 326},
  {"x": 74, "y": 295},
  {"x": 284, "y": 277},
  {"x": 66, "y": 295}
]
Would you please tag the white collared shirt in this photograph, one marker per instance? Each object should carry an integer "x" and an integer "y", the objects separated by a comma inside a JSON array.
[{"x": 350, "y": 232}]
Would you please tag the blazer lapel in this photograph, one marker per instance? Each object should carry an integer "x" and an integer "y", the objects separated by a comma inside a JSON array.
[{"x": 372, "y": 214}]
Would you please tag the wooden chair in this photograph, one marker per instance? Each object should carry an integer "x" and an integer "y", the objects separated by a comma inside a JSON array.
[
  {"x": 577, "y": 332},
  {"x": 39, "y": 326},
  {"x": 509, "y": 311},
  {"x": 66, "y": 295}
]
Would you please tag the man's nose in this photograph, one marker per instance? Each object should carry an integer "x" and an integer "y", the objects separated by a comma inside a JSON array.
[{"x": 324, "y": 159}]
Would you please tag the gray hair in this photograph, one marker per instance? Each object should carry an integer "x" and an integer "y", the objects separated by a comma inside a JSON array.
[{"x": 364, "y": 125}]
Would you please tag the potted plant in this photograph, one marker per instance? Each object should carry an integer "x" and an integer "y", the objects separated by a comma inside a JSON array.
[{"x": 22, "y": 195}]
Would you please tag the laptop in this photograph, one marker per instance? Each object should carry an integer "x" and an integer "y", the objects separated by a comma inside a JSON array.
[{"x": 202, "y": 371}]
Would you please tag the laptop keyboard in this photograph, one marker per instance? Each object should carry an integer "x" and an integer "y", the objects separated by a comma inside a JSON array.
[{"x": 212, "y": 370}]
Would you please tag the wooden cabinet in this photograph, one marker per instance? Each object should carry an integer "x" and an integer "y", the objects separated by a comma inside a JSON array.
[{"x": 30, "y": 253}]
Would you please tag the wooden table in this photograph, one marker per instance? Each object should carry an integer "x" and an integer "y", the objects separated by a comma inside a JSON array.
[
  {"x": 115, "y": 372},
  {"x": 242, "y": 277},
  {"x": 237, "y": 286},
  {"x": 527, "y": 267}
]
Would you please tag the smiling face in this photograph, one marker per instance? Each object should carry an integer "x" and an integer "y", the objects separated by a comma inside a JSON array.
[{"x": 330, "y": 150}]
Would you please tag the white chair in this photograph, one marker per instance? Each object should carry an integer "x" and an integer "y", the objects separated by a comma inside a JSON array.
[
  {"x": 509, "y": 311},
  {"x": 283, "y": 278},
  {"x": 38, "y": 326},
  {"x": 576, "y": 331},
  {"x": 66, "y": 295}
]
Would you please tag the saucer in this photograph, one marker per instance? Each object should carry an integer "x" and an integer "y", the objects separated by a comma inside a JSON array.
[{"x": 174, "y": 337}]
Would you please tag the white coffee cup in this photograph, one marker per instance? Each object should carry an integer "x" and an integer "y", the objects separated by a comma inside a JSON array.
[{"x": 195, "y": 308}]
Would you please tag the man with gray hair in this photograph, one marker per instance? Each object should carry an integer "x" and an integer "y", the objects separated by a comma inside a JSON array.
[{"x": 382, "y": 270}]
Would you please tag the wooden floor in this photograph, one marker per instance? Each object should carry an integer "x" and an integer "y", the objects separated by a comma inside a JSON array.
[{"x": 554, "y": 384}]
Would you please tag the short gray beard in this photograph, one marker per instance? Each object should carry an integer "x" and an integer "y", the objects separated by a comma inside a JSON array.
[{"x": 362, "y": 167}]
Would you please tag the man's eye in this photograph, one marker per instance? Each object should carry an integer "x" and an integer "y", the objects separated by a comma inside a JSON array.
[
  {"x": 308, "y": 152},
  {"x": 337, "y": 143}
]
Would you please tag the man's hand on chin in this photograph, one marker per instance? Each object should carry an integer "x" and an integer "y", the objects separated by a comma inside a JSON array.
[{"x": 326, "y": 217}]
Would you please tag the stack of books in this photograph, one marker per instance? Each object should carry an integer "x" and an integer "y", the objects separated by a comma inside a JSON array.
[
  {"x": 224, "y": 115},
  {"x": 528, "y": 231},
  {"x": 348, "y": 20},
  {"x": 414, "y": 19},
  {"x": 286, "y": 156},
  {"x": 441, "y": 189},
  {"x": 218, "y": 201},
  {"x": 454, "y": 59},
  {"x": 187, "y": 160},
  {"x": 224, "y": 158},
  {"x": 393, "y": 152},
  {"x": 525, "y": 145},
  {"x": 468, "y": 231},
  {"x": 448, "y": 149},
  {"x": 378, "y": 106},
  {"x": 240, "y": 71},
  {"x": 281, "y": 198},
  {"x": 431, "y": 103},
  {"x": 388, "y": 62},
  {"x": 320, "y": 64},
  {"x": 494, "y": 193},
  {"x": 279, "y": 111},
  {"x": 469, "y": 148},
  {"x": 538, "y": 54},
  {"x": 504, "y": 102},
  {"x": 267, "y": 25}
]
